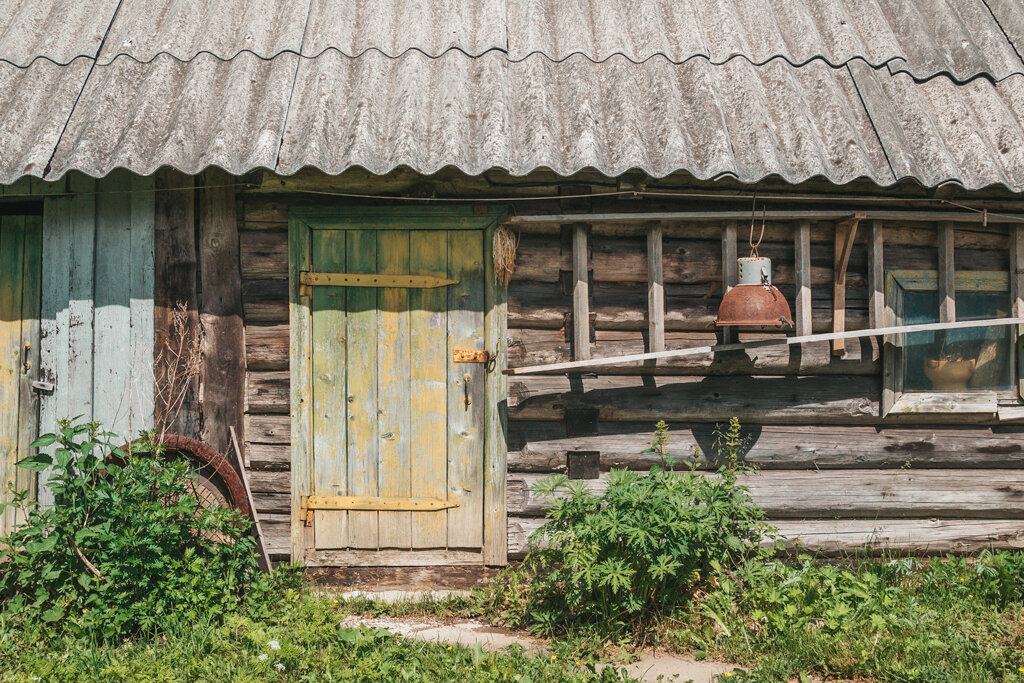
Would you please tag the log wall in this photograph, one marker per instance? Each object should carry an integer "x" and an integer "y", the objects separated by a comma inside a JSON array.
[{"x": 835, "y": 475}]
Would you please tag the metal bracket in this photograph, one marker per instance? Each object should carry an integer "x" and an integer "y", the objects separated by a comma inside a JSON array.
[
  {"x": 45, "y": 387},
  {"x": 471, "y": 356},
  {"x": 311, "y": 279},
  {"x": 310, "y": 503}
]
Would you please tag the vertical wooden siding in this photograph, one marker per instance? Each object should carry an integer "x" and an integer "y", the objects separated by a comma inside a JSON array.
[{"x": 97, "y": 303}]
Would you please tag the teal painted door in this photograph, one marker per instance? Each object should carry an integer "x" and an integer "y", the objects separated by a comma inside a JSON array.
[
  {"x": 20, "y": 244},
  {"x": 395, "y": 419}
]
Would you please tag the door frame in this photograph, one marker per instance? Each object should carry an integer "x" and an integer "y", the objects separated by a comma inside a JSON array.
[{"x": 302, "y": 221}]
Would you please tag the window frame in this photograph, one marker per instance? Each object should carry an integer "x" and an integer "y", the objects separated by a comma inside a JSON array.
[{"x": 897, "y": 402}]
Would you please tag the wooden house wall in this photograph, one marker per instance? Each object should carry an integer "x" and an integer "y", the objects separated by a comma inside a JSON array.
[
  {"x": 96, "y": 311},
  {"x": 832, "y": 473}
]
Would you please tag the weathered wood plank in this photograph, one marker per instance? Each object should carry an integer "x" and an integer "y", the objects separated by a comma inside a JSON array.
[
  {"x": 802, "y": 309},
  {"x": 266, "y": 347},
  {"x": 850, "y": 494},
  {"x": 223, "y": 368},
  {"x": 655, "y": 290},
  {"x": 393, "y": 558},
  {"x": 265, "y": 301},
  {"x": 361, "y": 351},
  {"x": 276, "y": 535},
  {"x": 495, "y": 551},
  {"x": 112, "y": 388},
  {"x": 301, "y": 376},
  {"x": 394, "y": 391},
  {"x": 730, "y": 270},
  {"x": 174, "y": 280},
  {"x": 267, "y": 392},
  {"x": 28, "y": 403},
  {"x": 269, "y": 456},
  {"x": 328, "y": 388},
  {"x": 947, "y": 286},
  {"x": 846, "y": 231},
  {"x": 542, "y": 446},
  {"x": 429, "y": 328},
  {"x": 263, "y": 255},
  {"x": 843, "y": 537},
  {"x": 467, "y": 396},
  {"x": 12, "y": 254},
  {"x": 268, "y": 428},
  {"x": 269, "y": 481},
  {"x": 140, "y": 297},
  {"x": 539, "y": 347},
  {"x": 580, "y": 293},
  {"x": 1017, "y": 296}
]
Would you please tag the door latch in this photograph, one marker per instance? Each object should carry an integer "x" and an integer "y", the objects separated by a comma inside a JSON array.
[{"x": 471, "y": 356}]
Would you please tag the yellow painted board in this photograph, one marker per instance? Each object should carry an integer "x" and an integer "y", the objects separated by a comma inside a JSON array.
[
  {"x": 409, "y": 503},
  {"x": 361, "y": 320},
  {"x": 429, "y": 377},
  {"x": 393, "y": 387},
  {"x": 12, "y": 244},
  {"x": 330, "y": 410},
  {"x": 466, "y": 389}
]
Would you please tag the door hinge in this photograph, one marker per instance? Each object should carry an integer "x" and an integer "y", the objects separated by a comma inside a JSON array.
[
  {"x": 471, "y": 356},
  {"x": 371, "y": 503},
  {"x": 310, "y": 279}
]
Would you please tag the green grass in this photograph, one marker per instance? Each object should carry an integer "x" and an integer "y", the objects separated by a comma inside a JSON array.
[
  {"x": 310, "y": 646},
  {"x": 945, "y": 619}
]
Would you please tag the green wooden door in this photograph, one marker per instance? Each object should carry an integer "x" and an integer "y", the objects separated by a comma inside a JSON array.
[
  {"x": 20, "y": 244},
  {"x": 396, "y": 422}
]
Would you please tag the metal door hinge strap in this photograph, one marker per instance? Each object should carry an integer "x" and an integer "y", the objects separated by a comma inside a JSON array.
[
  {"x": 376, "y": 503},
  {"x": 310, "y": 279}
]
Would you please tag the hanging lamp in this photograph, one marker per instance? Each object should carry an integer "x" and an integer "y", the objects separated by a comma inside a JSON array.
[{"x": 754, "y": 301}]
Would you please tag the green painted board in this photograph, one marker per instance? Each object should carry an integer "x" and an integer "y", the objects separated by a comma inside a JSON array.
[
  {"x": 361, "y": 323},
  {"x": 394, "y": 437},
  {"x": 330, "y": 421},
  {"x": 466, "y": 390}
]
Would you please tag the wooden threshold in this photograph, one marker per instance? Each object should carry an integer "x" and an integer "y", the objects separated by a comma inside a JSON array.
[{"x": 392, "y": 558}]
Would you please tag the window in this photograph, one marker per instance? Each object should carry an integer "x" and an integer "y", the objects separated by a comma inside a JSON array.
[{"x": 966, "y": 370}]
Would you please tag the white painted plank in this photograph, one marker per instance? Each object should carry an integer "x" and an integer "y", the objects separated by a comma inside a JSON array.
[{"x": 140, "y": 296}]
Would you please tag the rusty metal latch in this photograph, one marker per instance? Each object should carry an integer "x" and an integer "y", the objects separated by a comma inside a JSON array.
[
  {"x": 471, "y": 356},
  {"x": 309, "y": 279},
  {"x": 371, "y": 503}
]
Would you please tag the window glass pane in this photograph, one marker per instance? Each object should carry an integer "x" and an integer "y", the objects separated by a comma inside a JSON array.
[{"x": 976, "y": 359}]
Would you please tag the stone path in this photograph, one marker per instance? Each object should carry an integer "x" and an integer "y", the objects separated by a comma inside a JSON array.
[{"x": 649, "y": 667}]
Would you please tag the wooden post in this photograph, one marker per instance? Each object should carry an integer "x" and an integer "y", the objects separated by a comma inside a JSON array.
[
  {"x": 947, "y": 284},
  {"x": 846, "y": 231},
  {"x": 1017, "y": 294},
  {"x": 223, "y": 367},
  {"x": 655, "y": 289},
  {"x": 729, "y": 273},
  {"x": 876, "y": 276},
  {"x": 803, "y": 278},
  {"x": 174, "y": 283},
  {"x": 580, "y": 293}
]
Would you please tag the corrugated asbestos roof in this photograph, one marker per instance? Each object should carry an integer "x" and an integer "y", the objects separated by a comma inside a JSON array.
[{"x": 842, "y": 89}]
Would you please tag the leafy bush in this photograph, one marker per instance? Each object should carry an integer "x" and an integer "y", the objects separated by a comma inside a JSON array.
[
  {"x": 125, "y": 545},
  {"x": 642, "y": 547}
]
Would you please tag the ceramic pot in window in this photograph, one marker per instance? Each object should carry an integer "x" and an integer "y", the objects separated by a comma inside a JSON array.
[{"x": 949, "y": 375}]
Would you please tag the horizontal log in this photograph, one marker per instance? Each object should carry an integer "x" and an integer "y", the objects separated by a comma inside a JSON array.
[
  {"x": 842, "y": 537},
  {"x": 265, "y": 301},
  {"x": 269, "y": 481},
  {"x": 277, "y": 534},
  {"x": 269, "y": 429},
  {"x": 268, "y": 392},
  {"x": 527, "y": 347},
  {"x": 272, "y": 503},
  {"x": 542, "y": 446},
  {"x": 761, "y": 400},
  {"x": 263, "y": 254},
  {"x": 268, "y": 456},
  {"x": 266, "y": 347},
  {"x": 850, "y": 494}
]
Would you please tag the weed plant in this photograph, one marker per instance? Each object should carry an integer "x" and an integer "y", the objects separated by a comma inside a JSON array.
[
  {"x": 616, "y": 561},
  {"x": 126, "y": 546}
]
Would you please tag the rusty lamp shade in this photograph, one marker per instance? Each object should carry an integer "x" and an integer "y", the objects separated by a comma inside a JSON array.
[{"x": 754, "y": 301}]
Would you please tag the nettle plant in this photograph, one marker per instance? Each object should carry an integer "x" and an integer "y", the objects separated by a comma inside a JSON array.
[
  {"x": 125, "y": 545},
  {"x": 617, "y": 559}
]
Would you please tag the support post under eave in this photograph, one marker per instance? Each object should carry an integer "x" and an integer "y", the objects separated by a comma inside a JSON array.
[
  {"x": 947, "y": 281},
  {"x": 729, "y": 274},
  {"x": 846, "y": 231},
  {"x": 802, "y": 247},
  {"x": 876, "y": 275},
  {"x": 1017, "y": 295},
  {"x": 580, "y": 293},
  {"x": 655, "y": 289},
  {"x": 223, "y": 367}
]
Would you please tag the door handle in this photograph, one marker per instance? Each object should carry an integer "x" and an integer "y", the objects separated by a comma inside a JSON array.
[{"x": 465, "y": 387}]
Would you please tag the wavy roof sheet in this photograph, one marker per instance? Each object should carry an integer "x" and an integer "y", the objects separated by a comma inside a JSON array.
[{"x": 840, "y": 89}]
